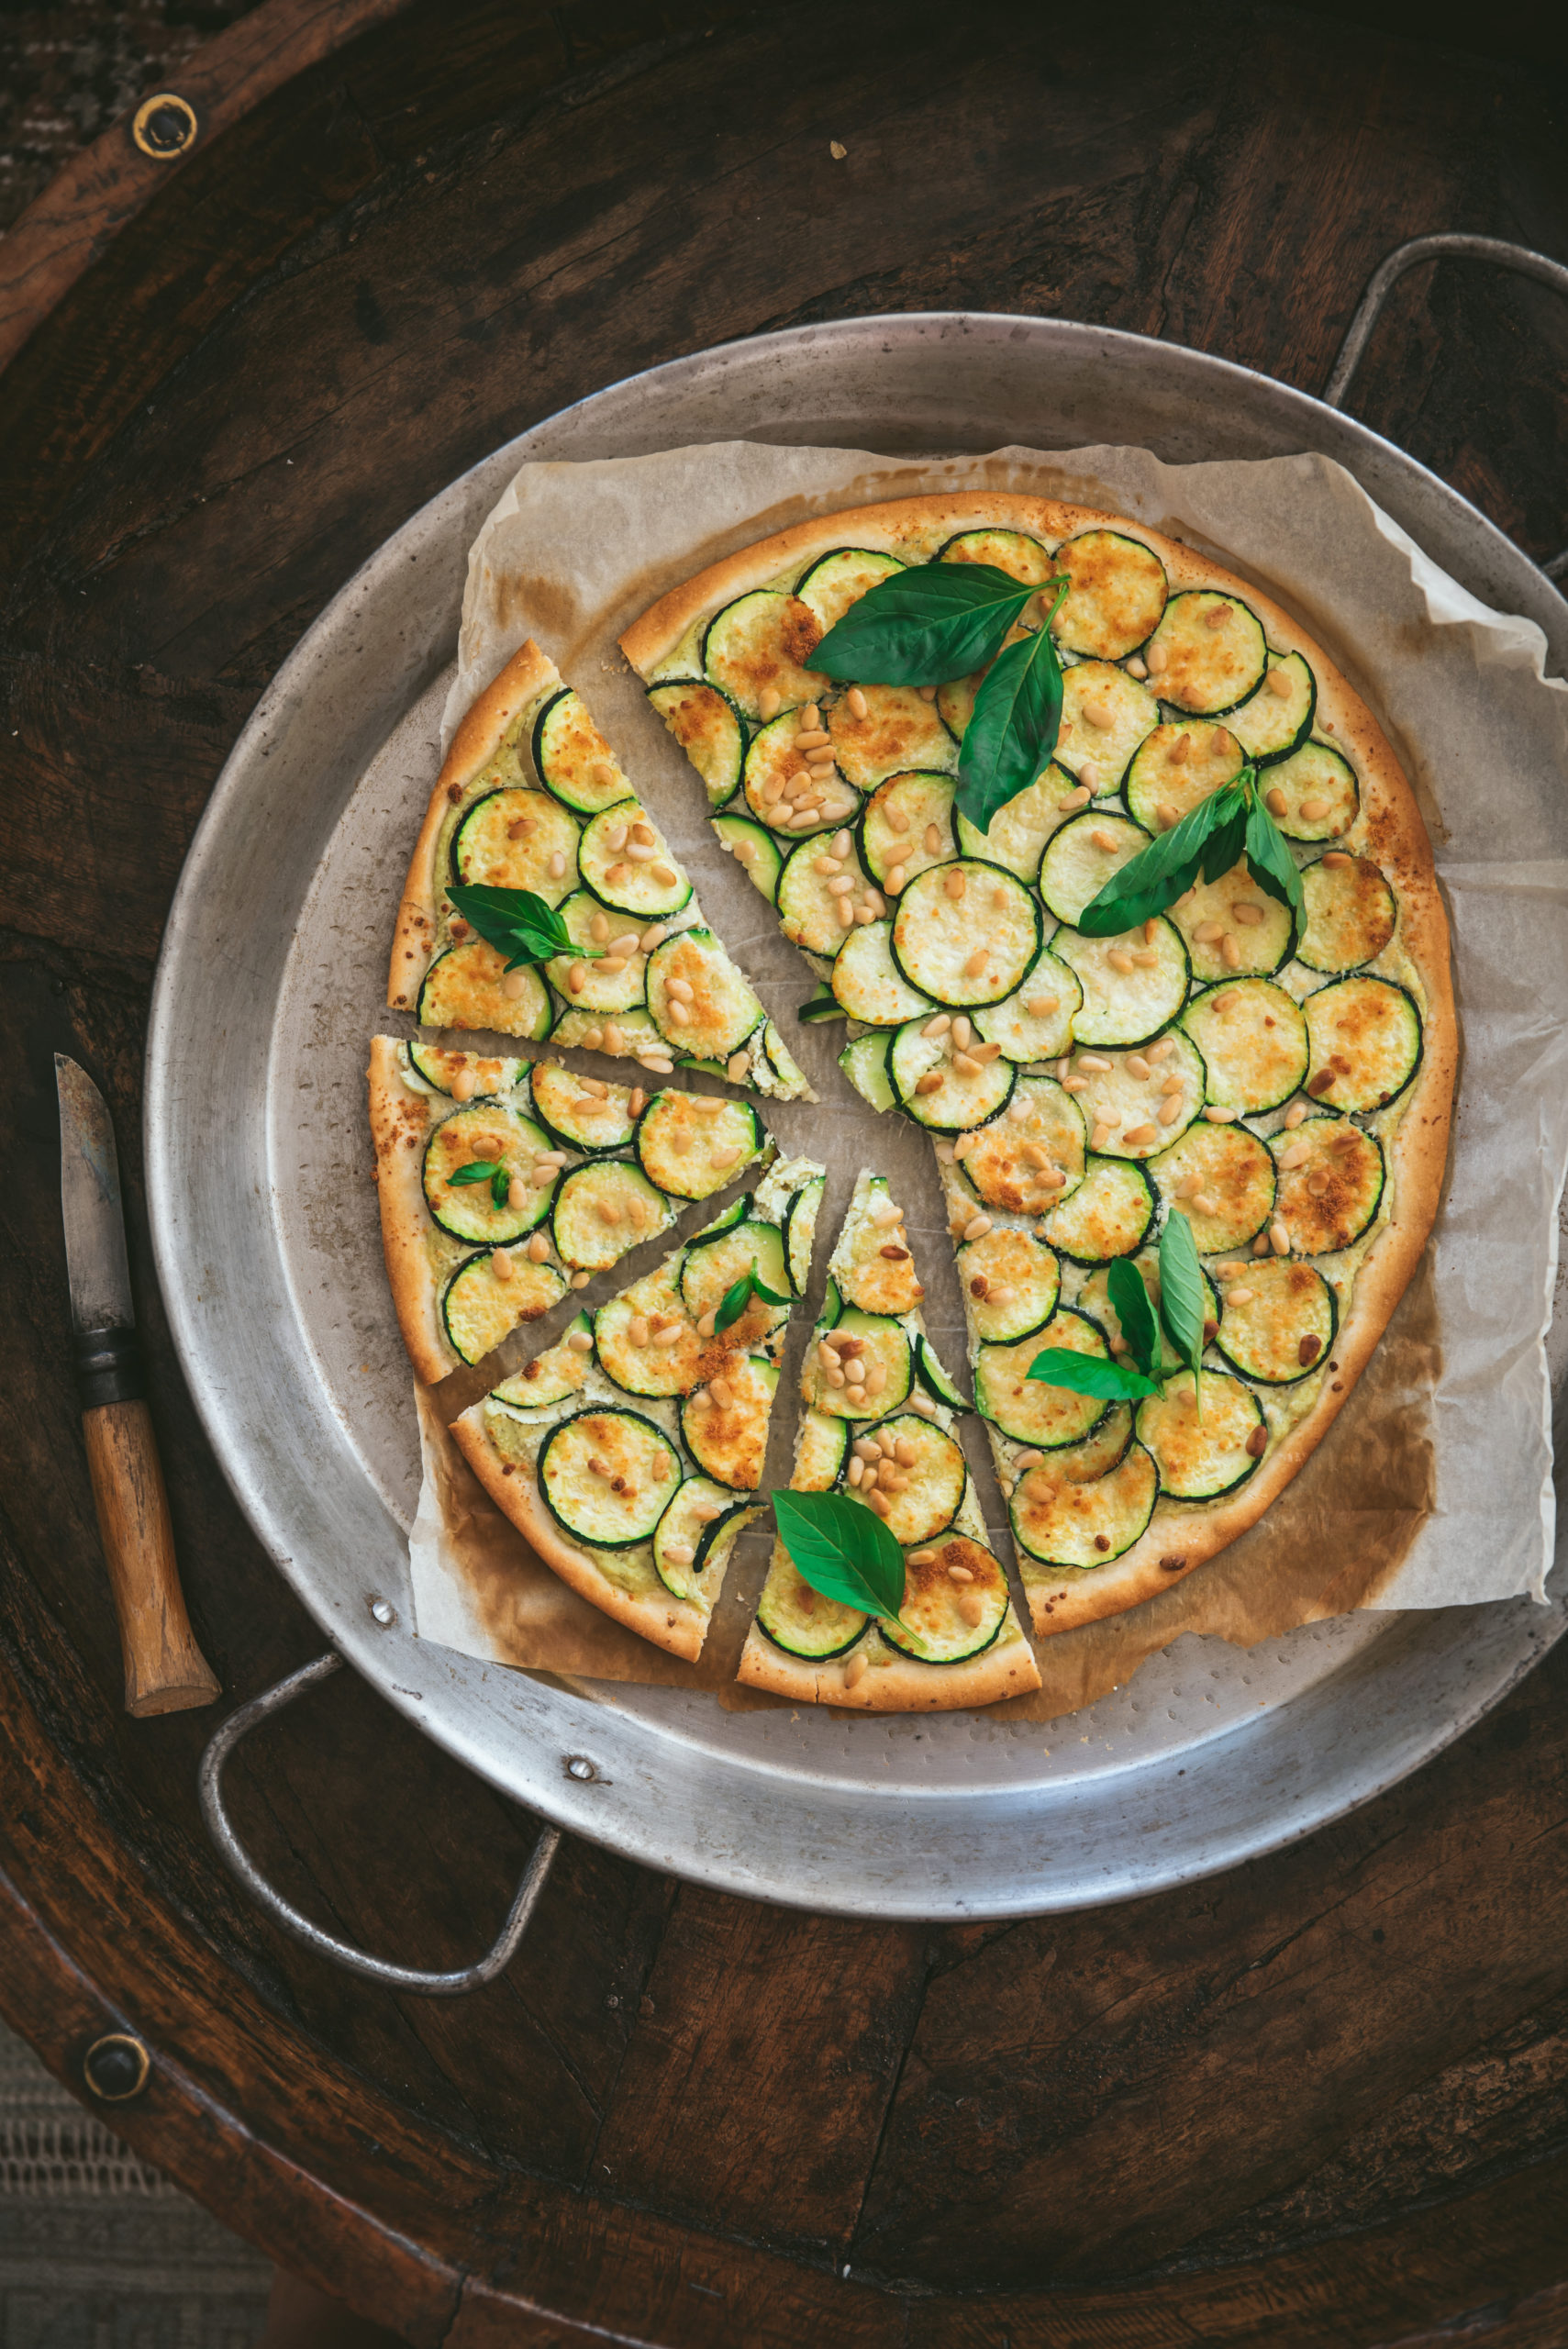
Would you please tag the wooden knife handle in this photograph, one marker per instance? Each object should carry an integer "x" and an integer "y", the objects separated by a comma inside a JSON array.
[{"x": 165, "y": 1672}]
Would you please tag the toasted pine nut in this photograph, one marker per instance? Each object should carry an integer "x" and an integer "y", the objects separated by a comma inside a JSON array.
[
  {"x": 1167, "y": 814},
  {"x": 965, "y": 1066},
  {"x": 954, "y": 883},
  {"x": 959, "y": 1574},
  {"x": 939, "y": 1025},
  {"x": 932, "y": 1082},
  {"x": 1275, "y": 802},
  {"x": 1041, "y": 1007},
  {"x": 1106, "y": 842},
  {"x": 857, "y": 702},
  {"x": 1314, "y": 809},
  {"x": 579, "y": 1340},
  {"x": 1120, "y": 960},
  {"x": 671, "y": 1335},
  {"x": 1158, "y": 658},
  {"x": 976, "y": 962},
  {"x": 810, "y": 739},
  {"x": 1238, "y": 1296},
  {"x": 1297, "y": 1155},
  {"x": 1100, "y": 1136},
  {"x": 972, "y": 1607},
  {"x": 1135, "y": 1065},
  {"x": 962, "y": 1032},
  {"x": 1181, "y": 749},
  {"x": 1170, "y": 1109},
  {"x": 1093, "y": 1061},
  {"x": 1207, "y": 933},
  {"x": 1294, "y": 1114},
  {"x": 1089, "y": 776},
  {"x": 1160, "y": 1052},
  {"x": 1279, "y": 1238},
  {"x": 1336, "y": 857},
  {"x": 1218, "y": 1117},
  {"x": 1217, "y": 616},
  {"x": 537, "y": 1249},
  {"x": 1135, "y": 667},
  {"x": 977, "y": 1227},
  {"x": 1204, "y": 1205},
  {"x": 1079, "y": 798},
  {"x": 1140, "y": 1136},
  {"x": 1248, "y": 914},
  {"x": 1229, "y": 952},
  {"x": 1279, "y": 682},
  {"x": 556, "y": 865}
]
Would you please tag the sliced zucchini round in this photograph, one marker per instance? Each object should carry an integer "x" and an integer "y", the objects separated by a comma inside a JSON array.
[
  {"x": 628, "y": 1351},
  {"x": 868, "y": 981},
  {"x": 607, "y": 1476},
  {"x": 729, "y": 1440},
  {"x": 821, "y": 1448},
  {"x": 1062, "y": 1521},
  {"x": 780, "y": 791},
  {"x": 873, "y": 1264},
  {"x": 590, "y": 1030},
  {"x": 934, "y": 1379},
  {"x": 690, "y": 1152},
  {"x": 1010, "y": 1282},
  {"x": 1013, "y": 552},
  {"x": 1106, "y": 714},
  {"x": 1208, "y": 652},
  {"x": 761, "y": 641},
  {"x": 1118, "y": 594},
  {"x": 800, "y": 1620},
  {"x": 603, "y": 1210},
  {"x": 649, "y": 886},
  {"x": 1005, "y": 1160},
  {"x": 953, "y": 915},
  {"x": 1035, "y": 1024},
  {"x": 754, "y": 849},
  {"x": 1176, "y": 767},
  {"x": 695, "y": 1531},
  {"x": 896, "y": 822},
  {"x": 1253, "y": 1041},
  {"x": 1082, "y": 857},
  {"x": 1364, "y": 1041},
  {"x": 1278, "y": 1322},
  {"x": 1234, "y": 1175},
  {"x": 836, "y": 581},
  {"x": 937, "y": 1095},
  {"x": 922, "y": 1495},
  {"x": 899, "y": 732},
  {"x": 1132, "y": 986},
  {"x": 1331, "y": 1191},
  {"x": 553, "y": 1376},
  {"x": 574, "y": 762},
  {"x": 697, "y": 997},
  {"x": 1351, "y": 914},
  {"x": 469, "y": 986},
  {"x": 1098, "y": 1454},
  {"x": 1126, "y": 1108},
  {"x": 1277, "y": 719},
  {"x": 507, "y": 839},
  {"x": 875, "y": 1344},
  {"x": 576, "y": 1117},
  {"x": 1026, "y": 1409},
  {"x": 582, "y": 979},
  {"x": 1107, "y": 1216},
  {"x": 1200, "y": 1459},
  {"x": 1262, "y": 938},
  {"x": 708, "y": 728},
  {"x": 490, "y": 1133},
  {"x": 937, "y": 1609},
  {"x": 712, "y": 1266},
  {"x": 1021, "y": 827},
  {"x": 800, "y": 1232},
  {"x": 864, "y": 1062},
  {"x": 808, "y": 905},
  {"x": 1320, "y": 778},
  {"x": 478, "y": 1310},
  {"x": 437, "y": 1064}
]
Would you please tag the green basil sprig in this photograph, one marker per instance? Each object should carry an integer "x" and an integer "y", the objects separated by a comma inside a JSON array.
[
  {"x": 516, "y": 922},
  {"x": 1012, "y": 729},
  {"x": 1231, "y": 822},
  {"x": 486, "y": 1170},
  {"x": 1180, "y": 1318},
  {"x": 844, "y": 1550},
  {"x": 737, "y": 1298}
]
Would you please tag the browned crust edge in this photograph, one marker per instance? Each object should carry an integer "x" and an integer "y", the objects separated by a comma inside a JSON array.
[
  {"x": 478, "y": 738},
  {"x": 1419, "y": 1153},
  {"x": 901, "y": 1686},
  {"x": 396, "y": 1114},
  {"x": 669, "y": 1624}
]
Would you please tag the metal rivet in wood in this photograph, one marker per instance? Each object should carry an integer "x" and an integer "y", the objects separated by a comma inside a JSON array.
[
  {"x": 116, "y": 2068},
  {"x": 165, "y": 125}
]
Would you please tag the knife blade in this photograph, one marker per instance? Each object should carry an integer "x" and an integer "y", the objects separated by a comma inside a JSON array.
[{"x": 165, "y": 1672}]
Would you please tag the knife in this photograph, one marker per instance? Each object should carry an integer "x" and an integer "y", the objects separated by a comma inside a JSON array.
[{"x": 165, "y": 1672}]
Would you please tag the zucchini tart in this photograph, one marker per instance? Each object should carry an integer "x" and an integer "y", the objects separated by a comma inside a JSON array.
[
  {"x": 532, "y": 797},
  {"x": 1284, "y": 1080},
  {"x": 630, "y": 1454},
  {"x": 877, "y": 1426},
  {"x": 503, "y": 1183}
]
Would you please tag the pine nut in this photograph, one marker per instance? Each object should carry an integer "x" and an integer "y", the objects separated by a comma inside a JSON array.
[
  {"x": 670, "y": 1336},
  {"x": 577, "y": 977},
  {"x": 923, "y": 1403},
  {"x": 857, "y": 702},
  {"x": 1173, "y": 1083},
  {"x": 1138, "y": 1137},
  {"x": 1181, "y": 749},
  {"x": 1158, "y": 659},
  {"x": 1294, "y": 1114},
  {"x": 1207, "y": 933},
  {"x": 768, "y": 703},
  {"x": 976, "y": 962},
  {"x": 1229, "y": 952},
  {"x": 928, "y": 693},
  {"x": 1041, "y": 1007},
  {"x": 1261, "y": 1245},
  {"x": 977, "y": 1227},
  {"x": 1314, "y": 809},
  {"x": 1093, "y": 1061},
  {"x": 1075, "y": 798},
  {"x": 1218, "y": 1117},
  {"x": 1279, "y": 1238},
  {"x": 959, "y": 1574},
  {"x": 1100, "y": 1136},
  {"x": 556, "y": 865},
  {"x": 1337, "y": 858},
  {"x": 1275, "y": 802},
  {"x": 905, "y": 1453},
  {"x": 1170, "y": 1109},
  {"x": 579, "y": 1340},
  {"x": 932, "y": 1082},
  {"x": 537, "y": 1249},
  {"x": 954, "y": 883},
  {"x": 1160, "y": 1052},
  {"x": 938, "y": 1025},
  {"x": 865, "y": 916},
  {"x": 1248, "y": 913},
  {"x": 1167, "y": 814},
  {"x": 1217, "y": 616},
  {"x": 1204, "y": 1205},
  {"x": 972, "y": 1607},
  {"x": 1297, "y": 1155},
  {"x": 1089, "y": 776},
  {"x": 1239, "y": 1294},
  {"x": 1120, "y": 960},
  {"x": 856, "y": 1669},
  {"x": 1279, "y": 682},
  {"x": 1105, "y": 841},
  {"x": 1136, "y": 668},
  {"x": 810, "y": 738}
]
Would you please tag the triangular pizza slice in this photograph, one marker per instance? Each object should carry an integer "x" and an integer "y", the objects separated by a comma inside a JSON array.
[
  {"x": 880, "y": 1410},
  {"x": 531, "y": 796},
  {"x": 503, "y": 1183},
  {"x": 630, "y": 1454}
]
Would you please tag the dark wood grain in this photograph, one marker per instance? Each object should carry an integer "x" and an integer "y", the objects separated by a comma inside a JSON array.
[{"x": 1323, "y": 2100}]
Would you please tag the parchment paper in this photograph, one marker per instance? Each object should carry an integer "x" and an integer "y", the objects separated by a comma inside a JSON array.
[{"x": 1433, "y": 1487}]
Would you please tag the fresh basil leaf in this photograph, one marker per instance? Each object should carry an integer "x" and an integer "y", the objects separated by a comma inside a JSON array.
[
  {"x": 1090, "y": 1375},
  {"x": 1129, "y": 1299},
  {"x": 768, "y": 1295},
  {"x": 516, "y": 922},
  {"x": 733, "y": 1303},
  {"x": 1012, "y": 729},
  {"x": 1151, "y": 881},
  {"x": 844, "y": 1550},
  {"x": 478, "y": 1170},
  {"x": 1182, "y": 1301},
  {"x": 1225, "y": 847},
  {"x": 922, "y": 626},
  {"x": 1273, "y": 867},
  {"x": 501, "y": 1187}
]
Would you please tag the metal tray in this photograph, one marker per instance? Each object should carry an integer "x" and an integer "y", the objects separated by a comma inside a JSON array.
[{"x": 264, "y": 1225}]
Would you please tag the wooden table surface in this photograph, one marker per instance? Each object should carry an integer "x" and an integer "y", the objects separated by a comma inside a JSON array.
[{"x": 1322, "y": 2100}]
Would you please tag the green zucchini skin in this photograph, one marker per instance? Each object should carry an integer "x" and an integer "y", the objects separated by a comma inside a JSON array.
[
  {"x": 1253, "y": 1038},
  {"x": 959, "y": 1102},
  {"x": 800, "y": 1621},
  {"x": 758, "y": 643},
  {"x": 690, "y": 1156},
  {"x": 1012, "y": 1281},
  {"x": 934, "y": 1379},
  {"x": 829, "y": 585},
  {"x": 708, "y": 728},
  {"x": 864, "y": 1062},
  {"x": 884, "y": 1343},
  {"x": 754, "y": 849},
  {"x": 800, "y": 1232},
  {"x": 1271, "y": 725},
  {"x": 462, "y": 989},
  {"x": 939, "y": 1479},
  {"x": 869, "y": 983},
  {"x": 485, "y": 847},
  {"x": 572, "y": 759},
  {"x": 1351, "y": 915},
  {"x": 1316, "y": 771},
  {"x": 685, "y": 1525}
]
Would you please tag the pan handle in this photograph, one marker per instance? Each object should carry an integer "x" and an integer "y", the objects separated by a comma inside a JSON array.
[
  {"x": 1387, "y": 275},
  {"x": 356, "y": 1961}
]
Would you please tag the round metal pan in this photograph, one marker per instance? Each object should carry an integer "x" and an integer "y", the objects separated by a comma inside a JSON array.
[{"x": 265, "y": 1223}]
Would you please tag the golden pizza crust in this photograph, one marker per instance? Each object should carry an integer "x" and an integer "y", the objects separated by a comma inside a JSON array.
[
  {"x": 668, "y": 1622},
  {"x": 1396, "y": 837},
  {"x": 526, "y": 675},
  {"x": 400, "y": 1128},
  {"x": 900, "y": 1686}
]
